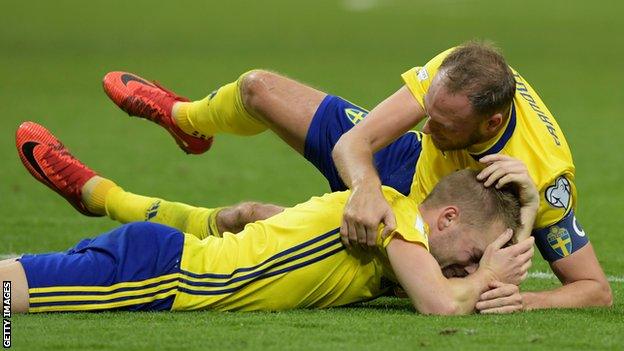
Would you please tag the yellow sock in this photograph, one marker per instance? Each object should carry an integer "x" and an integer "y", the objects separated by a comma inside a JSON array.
[
  {"x": 127, "y": 207},
  {"x": 222, "y": 111},
  {"x": 94, "y": 194}
]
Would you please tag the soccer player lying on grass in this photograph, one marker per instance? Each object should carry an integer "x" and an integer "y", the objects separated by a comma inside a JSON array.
[
  {"x": 474, "y": 105},
  {"x": 294, "y": 259}
]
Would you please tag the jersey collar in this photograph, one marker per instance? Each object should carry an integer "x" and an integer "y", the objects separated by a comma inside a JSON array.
[{"x": 501, "y": 139}]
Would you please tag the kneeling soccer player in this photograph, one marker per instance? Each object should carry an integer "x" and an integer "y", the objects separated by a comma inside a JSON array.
[{"x": 294, "y": 259}]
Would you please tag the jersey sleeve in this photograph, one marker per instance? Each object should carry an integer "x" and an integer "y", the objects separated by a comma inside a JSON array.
[
  {"x": 557, "y": 199},
  {"x": 559, "y": 233},
  {"x": 418, "y": 79},
  {"x": 409, "y": 223}
]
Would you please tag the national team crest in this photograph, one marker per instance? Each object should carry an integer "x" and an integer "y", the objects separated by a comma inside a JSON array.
[
  {"x": 560, "y": 241},
  {"x": 354, "y": 115},
  {"x": 558, "y": 195}
]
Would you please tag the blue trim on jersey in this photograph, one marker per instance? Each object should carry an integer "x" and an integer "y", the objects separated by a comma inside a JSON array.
[
  {"x": 131, "y": 253},
  {"x": 272, "y": 258},
  {"x": 560, "y": 239},
  {"x": 264, "y": 276},
  {"x": 263, "y": 270},
  {"x": 500, "y": 144},
  {"x": 268, "y": 271},
  {"x": 396, "y": 163}
]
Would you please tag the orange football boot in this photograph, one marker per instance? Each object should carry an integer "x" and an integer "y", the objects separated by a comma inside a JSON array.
[
  {"x": 141, "y": 98},
  {"x": 47, "y": 159}
]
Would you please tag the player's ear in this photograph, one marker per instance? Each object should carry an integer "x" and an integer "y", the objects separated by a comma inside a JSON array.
[
  {"x": 471, "y": 268},
  {"x": 448, "y": 217},
  {"x": 493, "y": 123}
]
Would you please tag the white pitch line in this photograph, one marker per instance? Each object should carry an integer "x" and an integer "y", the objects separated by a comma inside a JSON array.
[
  {"x": 534, "y": 275},
  {"x": 7, "y": 256},
  {"x": 360, "y": 5}
]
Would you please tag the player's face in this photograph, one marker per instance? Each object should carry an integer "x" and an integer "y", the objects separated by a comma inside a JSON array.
[
  {"x": 459, "y": 249},
  {"x": 456, "y": 251},
  {"x": 451, "y": 121}
]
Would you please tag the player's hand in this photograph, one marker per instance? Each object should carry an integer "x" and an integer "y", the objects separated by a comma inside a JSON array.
[
  {"x": 503, "y": 170},
  {"x": 500, "y": 298},
  {"x": 365, "y": 210},
  {"x": 508, "y": 264}
]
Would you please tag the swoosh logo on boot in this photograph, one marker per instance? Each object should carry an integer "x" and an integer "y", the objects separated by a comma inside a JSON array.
[
  {"x": 126, "y": 78},
  {"x": 28, "y": 149}
]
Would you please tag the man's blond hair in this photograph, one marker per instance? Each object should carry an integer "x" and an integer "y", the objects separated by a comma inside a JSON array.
[{"x": 479, "y": 206}]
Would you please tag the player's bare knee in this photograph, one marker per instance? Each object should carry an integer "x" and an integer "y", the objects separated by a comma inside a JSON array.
[
  {"x": 235, "y": 218},
  {"x": 247, "y": 212},
  {"x": 256, "y": 211},
  {"x": 256, "y": 88}
]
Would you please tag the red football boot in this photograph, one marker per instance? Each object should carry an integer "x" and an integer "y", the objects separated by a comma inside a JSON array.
[
  {"x": 47, "y": 159},
  {"x": 141, "y": 98}
]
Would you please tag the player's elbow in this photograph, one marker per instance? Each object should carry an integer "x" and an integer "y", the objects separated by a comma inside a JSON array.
[
  {"x": 352, "y": 145},
  {"x": 597, "y": 294},
  {"x": 440, "y": 308},
  {"x": 604, "y": 295},
  {"x": 340, "y": 147}
]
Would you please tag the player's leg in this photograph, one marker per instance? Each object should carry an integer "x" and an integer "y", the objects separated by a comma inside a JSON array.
[
  {"x": 234, "y": 219},
  {"x": 256, "y": 101},
  {"x": 275, "y": 101},
  {"x": 8, "y": 261},
  {"x": 307, "y": 119},
  {"x": 134, "y": 267},
  {"x": 12, "y": 272},
  {"x": 52, "y": 164},
  {"x": 125, "y": 207}
]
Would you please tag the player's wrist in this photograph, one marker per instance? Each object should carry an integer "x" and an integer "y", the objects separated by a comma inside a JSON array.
[
  {"x": 528, "y": 300},
  {"x": 366, "y": 183},
  {"x": 483, "y": 276}
]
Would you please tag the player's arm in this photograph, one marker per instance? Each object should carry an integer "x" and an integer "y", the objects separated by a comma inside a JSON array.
[
  {"x": 584, "y": 284},
  {"x": 353, "y": 156},
  {"x": 431, "y": 293},
  {"x": 572, "y": 259}
]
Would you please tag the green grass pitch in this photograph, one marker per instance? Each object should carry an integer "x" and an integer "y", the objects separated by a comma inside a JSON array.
[{"x": 54, "y": 54}]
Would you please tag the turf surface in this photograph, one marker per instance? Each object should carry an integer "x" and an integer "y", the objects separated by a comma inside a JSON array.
[{"x": 54, "y": 54}]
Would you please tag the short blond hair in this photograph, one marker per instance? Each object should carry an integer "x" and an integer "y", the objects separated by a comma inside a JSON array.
[{"x": 479, "y": 206}]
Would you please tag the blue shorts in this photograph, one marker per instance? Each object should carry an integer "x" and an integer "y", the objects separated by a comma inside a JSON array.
[
  {"x": 396, "y": 163},
  {"x": 133, "y": 267}
]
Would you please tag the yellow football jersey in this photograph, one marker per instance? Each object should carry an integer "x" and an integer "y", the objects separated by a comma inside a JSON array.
[
  {"x": 292, "y": 260},
  {"x": 531, "y": 134}
]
